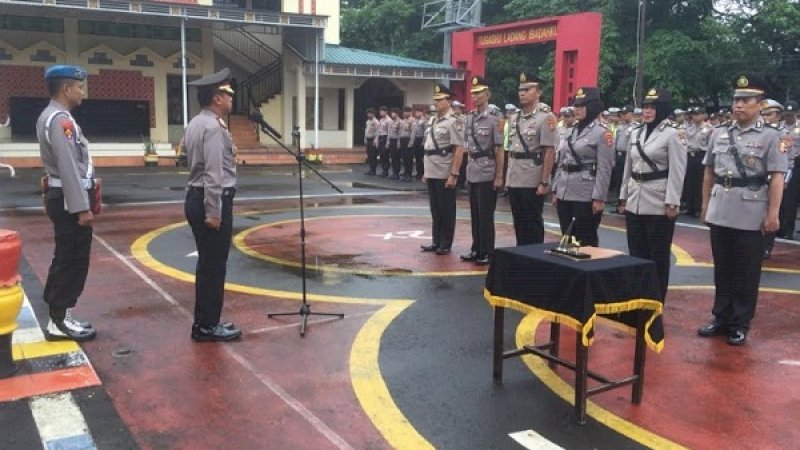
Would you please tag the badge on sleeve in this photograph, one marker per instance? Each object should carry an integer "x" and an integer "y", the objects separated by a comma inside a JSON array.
[
  {"x": 682, "y": 137},
  {"x": 609, "y": 138},
  {"x": 786, "y": 143},
  {"x": 69, "y": 129},
  {"x": 551, "y": 123}
]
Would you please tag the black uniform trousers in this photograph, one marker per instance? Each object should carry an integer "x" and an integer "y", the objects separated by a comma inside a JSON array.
[
  {"x": 737, "y": 274},
  {"x": 789, "y": 203},
  {"x": 394, "y": 155},
  {"x": 383, "y": 151},
  {"x": 482, "y": 203},
  {"x": 69, "y": 268},
  {"x": 650, "y": 237},
  {"x": 212, "y": 250},
  {"x": 372, "y": 155},
  {"x": 616, "y": 176},
  {"x": 526, "y": 210},
  {"x": 586, "y": 223},
  {"x": 407, "y": 154},
  {"x": 419, "y": 157},
  {"x": 443, "y": 212},
  {"x": 693, "y": 182}
]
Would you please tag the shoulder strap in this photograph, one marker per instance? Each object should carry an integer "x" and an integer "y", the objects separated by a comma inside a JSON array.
[
  {"x": 572, "y": 150},
  {"x": 472, "y": 132},
  {"x": 519, "y": 135},
  {"x": 735, "y": 152},
  {"x": 642, "y": 153}
]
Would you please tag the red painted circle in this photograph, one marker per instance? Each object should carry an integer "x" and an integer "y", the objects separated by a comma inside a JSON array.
[{"x": 369, "y": 244}]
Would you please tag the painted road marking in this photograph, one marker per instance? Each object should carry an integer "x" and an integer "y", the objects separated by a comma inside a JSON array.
[
  {"x": 273, "y": 386},
  {"x": 789, "y": 362},
  {"x": 534, "y": 441},
  {"x": 193, "y": 254},
  {"x": 60, "y": 422}
]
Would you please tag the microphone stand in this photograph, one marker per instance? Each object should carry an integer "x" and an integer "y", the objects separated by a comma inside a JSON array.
[{"x": 305, "y": 308}]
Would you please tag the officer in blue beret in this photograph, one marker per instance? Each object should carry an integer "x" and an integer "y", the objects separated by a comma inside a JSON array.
[{"x": 69, "y": 193}]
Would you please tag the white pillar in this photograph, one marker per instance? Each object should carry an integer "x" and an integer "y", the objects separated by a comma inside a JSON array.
[
  {"x": 183, "y": 73},
  {"x": 316, "y": 91},
  {"x": 349, "y": 113},
  {"x": 301, "y": 105}
]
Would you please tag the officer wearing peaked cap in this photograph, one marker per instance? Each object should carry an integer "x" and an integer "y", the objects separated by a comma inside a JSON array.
[
  {"x": 209, "y": 202},
  {"x": 697, "y": 135},
  {"x": 532, "y": 138},
  {"x": 652, "y": 183},
  {"x": 792, "y": 191},
  {"x": 742, "y": 191},
  {"x": 771, "y": 112},
  {"x": 70, "y": 200},
  {"x": 483, "y": 146},
  {"x": 444, "y": 147},
  {"x": 584, "y": 169}
]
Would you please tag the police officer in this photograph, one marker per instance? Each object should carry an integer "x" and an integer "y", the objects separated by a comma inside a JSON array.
[
  {"x": 371, "y": 141},
  {"x": 444, "y": 148},
  {"x": 790, "y": 194},
  {"x": 483, "y": 145},
  {"x": 406, "y": 151},
  {"x": 621, "y": 138},
  {"x": 209, "y": 202},
  {"x": 417, "y": 140},
  {"x": 771, "y": 112},
  {"x": 383, "y": 139},
  {"x": 697, "y": 134},
  {"x": 740, "y": 206},
  {"x": 652, "y": 183},
  {"x": 584, "y": 169},
  {"x": 394, "y": 143},
  {"x": 69, "y": 201},
  {"x": 532, "y": 136}
]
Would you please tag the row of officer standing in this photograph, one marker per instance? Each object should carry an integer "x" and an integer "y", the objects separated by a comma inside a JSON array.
[{"x": 742, "y": 181}]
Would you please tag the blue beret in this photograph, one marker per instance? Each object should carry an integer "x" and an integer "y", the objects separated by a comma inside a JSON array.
[{"x": 64, "y": 71}]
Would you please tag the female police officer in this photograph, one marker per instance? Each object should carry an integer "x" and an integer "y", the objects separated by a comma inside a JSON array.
[
  {"x": 652, "y": 183},
  {"x": 584, "y": 169}
]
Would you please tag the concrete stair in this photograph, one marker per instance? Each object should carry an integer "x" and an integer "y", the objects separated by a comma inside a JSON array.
[{"x": 243, "y": 132}]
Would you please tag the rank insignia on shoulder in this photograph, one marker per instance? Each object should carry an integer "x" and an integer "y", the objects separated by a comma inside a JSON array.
[
  {"x": 68, "y": 127},
  {"x": 786, "y": 144},
  {"x": 544, "y": 107}
]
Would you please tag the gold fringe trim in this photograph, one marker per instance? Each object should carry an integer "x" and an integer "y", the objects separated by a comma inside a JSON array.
[{"x": 656, "y": 307}]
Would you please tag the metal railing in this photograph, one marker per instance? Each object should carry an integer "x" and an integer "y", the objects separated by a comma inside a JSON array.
[
  {"x": 248, "y": 46},
  {"x": 261, "y": 86}
]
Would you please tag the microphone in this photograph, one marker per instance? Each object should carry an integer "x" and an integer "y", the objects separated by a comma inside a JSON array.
[{"x": 258, "y": 118}]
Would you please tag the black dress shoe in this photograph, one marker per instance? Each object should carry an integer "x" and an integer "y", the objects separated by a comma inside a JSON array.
[
  {"x": 737, "y": 337},
  {"x": 469, "y": 256},
  {"x": 215, "y": 333},
  {"x": 383, "y": 174},
  {"x": 712, "y": 329},
  {"x": 482, "y": 260},
  {"x": 429, "y": 248},
  {"x": 443, "y": 251},
  {"x": 369, "y": 173}
]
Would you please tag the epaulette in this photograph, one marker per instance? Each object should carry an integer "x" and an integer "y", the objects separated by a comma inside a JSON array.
[
  {"x": 776, "y": 126},
  {"x": 601, "y": 124},
  {"x": 544, "y": 107}
]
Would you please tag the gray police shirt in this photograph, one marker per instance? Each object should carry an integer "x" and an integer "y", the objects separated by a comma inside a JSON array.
[
  {"x": 448, "y": 131},
  {"x": 211, "y": 157},
  {"x": 538, "y": 130},
  {"x": 481, "y": 138},
  {"x": 593, "y": 147}
]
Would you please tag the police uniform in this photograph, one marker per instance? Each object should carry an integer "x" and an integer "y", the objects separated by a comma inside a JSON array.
[
  {"x": 406, "y": 152},
  {"x": 738, "y": 163},
  {"x": 771, "y": 112},
  {"x": 69, "y": 194},
  {"x": 444, "y": 143},
  {"x": 792, "y": 191},
  {"x": 383, "y": 141},
  {"x": 483, "y": 143},
  {"x": 622, "y": 136},
  {"x": 209, "y": 196},
  {"x": 417, "y": 140},
  {"x": 584, "y": 171},
  {"x": 394, "y": 144},
  {"x": 370, "y": 138},
  {"x": 532, "y": 136},
  {"x": 652, "y": 181},
  {"x": 697, "y": 143}
]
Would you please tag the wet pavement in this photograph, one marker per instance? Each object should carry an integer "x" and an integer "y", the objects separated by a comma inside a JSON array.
[{"x": 410, "y": 364}]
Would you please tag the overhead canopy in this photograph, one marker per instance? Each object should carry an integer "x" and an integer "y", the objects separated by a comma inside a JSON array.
[{"x": 344, "y": 61}]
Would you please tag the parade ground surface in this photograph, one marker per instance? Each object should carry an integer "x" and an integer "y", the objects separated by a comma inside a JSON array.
[{"x": 410, "y": 364}]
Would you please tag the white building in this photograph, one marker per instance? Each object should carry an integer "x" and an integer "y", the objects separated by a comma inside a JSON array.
[{"x": 133, "y": 52}]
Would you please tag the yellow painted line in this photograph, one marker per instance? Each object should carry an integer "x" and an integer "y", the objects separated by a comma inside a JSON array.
[
  {"x": 525, "y": 330},
  {"x": 41, "y": 349},
  {"x": 241, "y": 245},
  {"x": 371, "y": 389}
]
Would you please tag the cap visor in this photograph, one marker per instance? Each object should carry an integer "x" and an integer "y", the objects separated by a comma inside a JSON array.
[{"x": 478, "y": 89}]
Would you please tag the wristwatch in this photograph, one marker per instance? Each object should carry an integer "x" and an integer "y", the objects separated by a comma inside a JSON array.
[{"x": 545, "y": 183}]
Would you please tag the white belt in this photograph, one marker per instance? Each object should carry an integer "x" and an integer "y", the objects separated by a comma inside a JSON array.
[{"x": 86, "y": 183}]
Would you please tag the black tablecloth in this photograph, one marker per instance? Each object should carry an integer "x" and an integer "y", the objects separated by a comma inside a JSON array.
[{"x": 527, "y": 279}]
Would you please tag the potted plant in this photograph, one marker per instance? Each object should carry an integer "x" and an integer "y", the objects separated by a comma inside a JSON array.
[{"x": 150, "y": 153}]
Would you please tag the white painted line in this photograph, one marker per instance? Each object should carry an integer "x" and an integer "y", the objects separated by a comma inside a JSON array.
[
  {"x": 533, "y": 441},
  {"x": 790, "y": 362},
  {"x": 268, "y": 382},
  {"x": 57, "y": 417},
  {"x": 27, "y": 335},
  {"x": 193, "y": 254}
]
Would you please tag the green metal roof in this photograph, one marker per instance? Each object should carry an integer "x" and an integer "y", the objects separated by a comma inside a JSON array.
[{"x": 336, "y": 54}]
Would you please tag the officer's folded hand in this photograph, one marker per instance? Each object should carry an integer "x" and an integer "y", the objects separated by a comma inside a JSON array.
[
  {"x": 598, "y": 206},
  {"x": 451, "y": 182},
  {"x": 770, "y": 224},
  {"x": 213, "y": 223},
  {"x": 621, "y": 206},
  {"x": 85, "y": 218}
]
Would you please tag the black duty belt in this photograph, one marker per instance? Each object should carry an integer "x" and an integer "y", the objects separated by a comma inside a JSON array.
[
  {"x": 729, "y": 182},
  {"x": 696, "y": 152},
  {"x": 650, "y": 176},
  {"x": 442, "y": 151},
  {"x": 521, "y": 155},
  {"x": 228, "y": 191},
  {"x": 483, "y": 154},
  {"x": 571, "y": 168}
]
